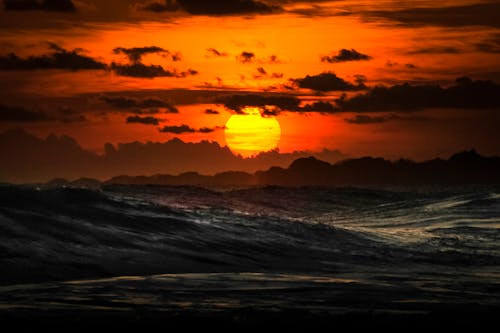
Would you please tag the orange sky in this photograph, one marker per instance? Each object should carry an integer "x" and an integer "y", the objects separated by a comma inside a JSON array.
[{"x": 287, "y": 44}]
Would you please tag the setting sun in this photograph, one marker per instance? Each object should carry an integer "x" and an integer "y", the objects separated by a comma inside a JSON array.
[
  {"x": 246, "y": 164},
  {"x": 250, "y": 133}
]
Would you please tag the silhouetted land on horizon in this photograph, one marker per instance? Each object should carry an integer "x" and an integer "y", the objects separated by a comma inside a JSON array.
[{"x": 466, "y": 167}]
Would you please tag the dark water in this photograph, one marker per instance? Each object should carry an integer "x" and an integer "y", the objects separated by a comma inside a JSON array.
[{"x": 184, "y": 252}]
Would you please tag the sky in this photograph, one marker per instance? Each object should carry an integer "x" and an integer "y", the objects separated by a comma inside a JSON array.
[{"x": 397, "y": 79}]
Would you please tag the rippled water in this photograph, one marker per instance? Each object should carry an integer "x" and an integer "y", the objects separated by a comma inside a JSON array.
[{"x": 186, "y": 249}]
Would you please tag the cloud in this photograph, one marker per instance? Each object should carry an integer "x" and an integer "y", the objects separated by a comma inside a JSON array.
[
  {"x": 68, "y": 115},
  {"x": 274, "y": 105},
  {"x": 346, "y": 55},
  {"x": 140, "y": 70},
  {"x": 262, "y": 73},
  {"x": 137, "y": 69},
  {"x": 59, "y": 59},
  {"x": 238, "y": 102},
  {"x": 216, "y": 8},
  {"x": 135, "y": 54},
  {"x": 182, "y": 129},
  {"x": 481, "y": 14},
  {"x": 127, "y": 103},
  {"x": 367, "y": 120},
  {"x": 489, "y": 45},
  {"x": 21, "y": 115},
  {"x": 319, "y": 106},
  {"x": 74, "y": 119},
  {"x": 246, "y": 57},
  {"x": 465, "y": 93},
  {"x": 62, "y": 156},
  {"x": 211, "y": 129},
  {"x": 211, "y": 52},
  {"x": 211, "y": 111},
  {"x": 436, "y": 50},
  {"x": 392, "y": 64},
  {"x": 160, "y": 7},
  {"x": 273, "y": 59},
  {"x": 364, "y": 119},
  {"x": 44, "y": 5},
  {"x": 73, "y": 60},
  {"x": 270, "y": 112},
  {"x": 143, "y": 120},
  {"x": 327, "y": 81},
  {"x": 314, "y": 10}
]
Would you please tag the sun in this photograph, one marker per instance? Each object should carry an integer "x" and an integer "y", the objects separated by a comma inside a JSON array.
[{"x": 249, "y": 134}]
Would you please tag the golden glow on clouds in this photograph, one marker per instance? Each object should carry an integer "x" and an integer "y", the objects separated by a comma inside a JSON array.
[
  {"x": 299, "y": 41},
  {"x": 250, "y": 134}
]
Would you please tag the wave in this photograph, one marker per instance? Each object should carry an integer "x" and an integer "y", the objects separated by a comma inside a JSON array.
[{"x": 67, "y": 233}]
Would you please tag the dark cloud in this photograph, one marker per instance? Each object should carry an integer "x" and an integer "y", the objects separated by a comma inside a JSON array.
[
  {"x": 314, "y": 11},
  {"x": 273, "y": 59},
  {"x": 262, "y": 73},
  {"x": 211, "y": 111},
  {"x": 135, "y": 54},
  {"x": 214, "y": 7},
  {"x": 274, "y": 105},
  {"x": 143, "y": 120},
  {"x": 74, "y": 119},
  {"x": 482, "y": 14},
  {"x": 140, "y": 70},
  {"x": 182, "y": 129},
  {"x": 73, "y": 60},
  {"x": 211, "y": 52},
  {"x": 319, "y": 106},
  {"x": 246, "y": 57},
  {"x": 137, "y": 69},
  {"x": 327, "y": 81},
  {"x": 436, "y": 50},
  {"x": 206, "y": 130},
  {"x": 238, "y": 102},
  {"x": 346, "y": 55},
  {"x": 465, "y": 93},
  {"x": 393, "y": 64},
  {"x": 270, "y": 112},
  {"x": 489, "y": 45},
  {"x": 21, "y": 115},
  {"x": 211, "y": 129},
  {"x": 44, "y": 5},
  {"x": 159, "y": 7},
  {"x": 128, "y": 103},
  {"x": 68, "y": 115},
  {"x": 59, "y": 59},
  {"x": 62, "y": 156},
  {"x": 364, "y": 119}
]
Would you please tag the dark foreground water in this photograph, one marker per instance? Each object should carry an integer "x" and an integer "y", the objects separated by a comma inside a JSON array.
[{"x": 182, "y": 256}]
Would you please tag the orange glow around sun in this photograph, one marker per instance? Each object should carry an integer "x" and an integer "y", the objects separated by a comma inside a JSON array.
[{"x": 249, "y": 134}]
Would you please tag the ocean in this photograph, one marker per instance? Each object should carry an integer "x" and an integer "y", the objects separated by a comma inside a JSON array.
[{"x": 185, "y": 255}]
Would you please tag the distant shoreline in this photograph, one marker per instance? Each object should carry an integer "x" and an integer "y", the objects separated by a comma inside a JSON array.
[{"x": 466, "y": 167}]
